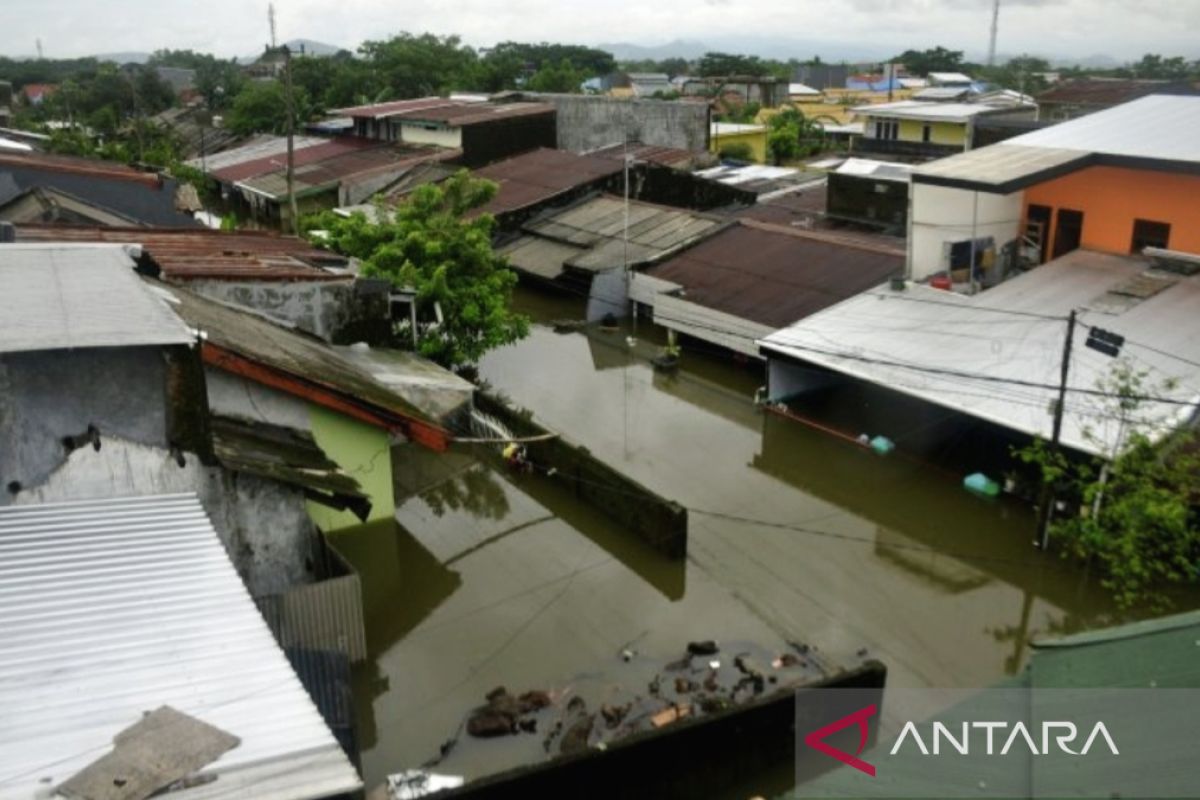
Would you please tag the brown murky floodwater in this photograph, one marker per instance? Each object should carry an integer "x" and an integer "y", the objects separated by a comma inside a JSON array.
[{"x": 491, "y": 579}]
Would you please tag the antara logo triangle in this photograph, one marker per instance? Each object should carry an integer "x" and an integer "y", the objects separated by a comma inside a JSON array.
[{"x": 816, "y": 739}]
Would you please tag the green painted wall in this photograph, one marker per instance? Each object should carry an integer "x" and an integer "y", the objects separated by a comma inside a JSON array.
[{"x": 364, "y": 452}]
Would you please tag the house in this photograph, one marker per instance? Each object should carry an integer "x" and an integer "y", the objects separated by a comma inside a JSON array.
[
  {"x": 801, "y": 91},
  {"x": 582, "y": 248},
  {"x": 482, "y": 132},
  {"x": 649, "y": 84},
  {"x": 283, "y": 277},
  {"x": 130, "y": 639},
  {"x": 949, "y": 79},
  {"x": 327, "y": 172},
  {"x": 750, "y": 139},
  {"x": 997, "y": 356},
  {"x": 766, "y": 91},
  {"x": 532, "y": 182},
  {"x": 1078, "y": 96},
  {"x": 142, "y": 198},
  {"x": 35, "y": 94},
  {"x": 872, "y": 193},
  {"x": 914, "y": 128},
  {"x": 182, "y": 81},
  {"x": 1114, "y": 181},
  {"x": 822, "y": 76},
  {"x": 45, "y": 205},
  {"x": 748, "y": 280}
]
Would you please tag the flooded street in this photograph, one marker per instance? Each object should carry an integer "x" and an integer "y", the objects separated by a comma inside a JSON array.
[{"x": 491, "y": 579}]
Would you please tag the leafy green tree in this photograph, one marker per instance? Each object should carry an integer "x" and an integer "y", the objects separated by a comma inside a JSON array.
[
  {"x": 261, "y": 107},
  {"x": 1021, "y": 74},
  {"x": 560, "y": 77},
  {"x": 1136, "y": 518},
  {"x": 428, "y": 244},
  {"x": 1157, "y": 67},
  {"x": 219, "y": 82},
  {"x": 936, "y": 59},
  {"x": 717, "y": 64},
  {"x": 419, "y": 66},
  {"x": 792, "y": 136}
]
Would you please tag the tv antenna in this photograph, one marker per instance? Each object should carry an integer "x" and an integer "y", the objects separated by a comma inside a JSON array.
[
  {"x": 271, "y": 19},
  {"x": 991, "y": 60}
]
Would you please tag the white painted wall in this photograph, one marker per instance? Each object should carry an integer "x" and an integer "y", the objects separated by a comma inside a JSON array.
[
  {"x": 440, "y": 137},
  {"x": 940, "y": 214}
]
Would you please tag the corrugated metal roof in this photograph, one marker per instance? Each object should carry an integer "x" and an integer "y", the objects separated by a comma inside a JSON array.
[
  {"x": 1004, "y": 167},
  {"x": 1094, "y": 91},
  {"x": 187, "y": 254},
  {"x": 69, "y": 296},
  {"x": 934, "y": 111},
  {"x": 314, "y": 150},
  {"x": 667, "y": 156},
  {"x": 346, "y": 166},
  {"x": 260, "y": 147},
  {"x": 537, "y": 256},
  {"x": 1159, "y": 127},
  {"x": 869, "y": 168},
  {"x": 452, "y": 112},
  {"x": 923, "y": 328},
  {"x": 114, "y": 607},
  {"x": 87, "y": 167},
  {"x": 774, "y": 275},
  {"x": 599, "y": 224},
  {"x": 540, "y": 175}
]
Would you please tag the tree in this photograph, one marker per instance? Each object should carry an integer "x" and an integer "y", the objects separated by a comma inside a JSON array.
[
  {"x": 937, "y": 59},
  {"x": 261, "y": 107},
  {"x": 719, "y": 64},
  {"x": 1136, "y": 519},
  {"x": 219, "y": 82},
  {"x": 1022, "y": 73},
  {"x": 419, "y": 66},
  {"x": 428, "y": 245},
  {"x": 561, "y": 77},
  {"x": 793, "y": 136},
  {"x": 1156, "y": 67}
]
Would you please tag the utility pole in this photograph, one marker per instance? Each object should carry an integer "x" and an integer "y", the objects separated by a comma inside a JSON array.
[
  {"x": 991, "y": 61},
  {"x": 41, "y": 55},
  {"x": 291, "y": 129},
  {"x": 1046, "y": 506}
]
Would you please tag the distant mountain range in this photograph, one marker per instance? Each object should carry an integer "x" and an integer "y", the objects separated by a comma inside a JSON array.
[
  {"x": 310, "y": 47},
  {"x": 124, "y": 58},
  {"x": 785, "y": 48}
]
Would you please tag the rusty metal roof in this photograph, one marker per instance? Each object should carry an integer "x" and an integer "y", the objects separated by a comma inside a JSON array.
[
  {"x": 329, "y": 173},
  {"x": 455, "y": 113},
  {"x": 88, "y": 167},
  {"x": 311, "y": 152},
  {"x": 191, "y": 253},
  {"x": 1110, "y": 91},
  {"x": 774, "y": 275},
  {"x": 542, "y": 174},
  {"x": 667, "y": 156}
]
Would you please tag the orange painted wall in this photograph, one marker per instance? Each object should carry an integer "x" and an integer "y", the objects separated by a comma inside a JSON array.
[{"x": 1111, "y": 198}]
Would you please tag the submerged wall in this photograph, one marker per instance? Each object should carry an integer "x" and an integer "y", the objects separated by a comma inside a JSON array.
[
  {"x": 658, "y": 522},
  {"x": 362, "y": 451}
]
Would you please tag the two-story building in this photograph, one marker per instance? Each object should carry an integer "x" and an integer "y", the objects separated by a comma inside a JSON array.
[
  {"x": 930, "y": 129},
  {"x": 1117, "y": 181}
]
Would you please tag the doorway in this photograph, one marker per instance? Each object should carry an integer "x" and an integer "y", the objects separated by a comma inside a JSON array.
[
  {"x": 1068, "y": 233},
  {"x": 1037, "y": 229}
]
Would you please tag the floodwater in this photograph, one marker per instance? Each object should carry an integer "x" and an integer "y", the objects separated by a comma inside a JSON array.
[{"x": 491, "y": 579}]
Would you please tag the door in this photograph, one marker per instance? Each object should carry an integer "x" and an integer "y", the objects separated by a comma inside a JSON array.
[
  {"x": 1068, "y": 233},
  {"x": 1037, "y": 228}
]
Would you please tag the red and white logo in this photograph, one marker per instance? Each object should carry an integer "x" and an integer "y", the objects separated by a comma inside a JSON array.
[{"x": 816, "y": 739}]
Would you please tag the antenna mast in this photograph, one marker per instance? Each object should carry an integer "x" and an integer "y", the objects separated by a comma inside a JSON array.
[
  {"x": 271, "y": 19},
  {"x": 995, "y": 29},
  {"x": 39, "y": 49}
]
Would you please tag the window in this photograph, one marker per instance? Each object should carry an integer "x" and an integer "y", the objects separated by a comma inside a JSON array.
[
  {"x": 887, "y": 129},
  {"x": 926, "y": 133},
  {"x": 1147, "y": 233}
]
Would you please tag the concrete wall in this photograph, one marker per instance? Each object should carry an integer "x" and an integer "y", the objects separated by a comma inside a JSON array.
[
  {"x": 262, "y": 524},
  {"x": 658, "y": 522},
  {"x": 586, "y": 122},
  {"x": 45, "y": 396},
  {"x": 362, "y": 451},
  {"x": 336, "y": 311},
  {"x": 941, "y": 215}
]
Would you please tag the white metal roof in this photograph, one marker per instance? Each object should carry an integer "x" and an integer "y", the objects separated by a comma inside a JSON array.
[
  {"x": 60, "y": 296},
  {"x": 746, "y": 173},
  {"x": 727, "y": 128},
  {"x": 948, "y": 77},
  {"x": 883, "y": 170},
  {"x": 262, "y": 147},
  {"x": 1001, "y": 165},
  {"x": 115, "y": 607},
  {"x": 1157, "y": 126},
  {"x": 916, "y": 109},
  {"x": 895, "y": 338},
  {"x": 801, "y": 89},
  {"x": 11, "y": 144}
]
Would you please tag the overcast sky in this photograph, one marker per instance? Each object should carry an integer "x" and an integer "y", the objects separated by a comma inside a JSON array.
[{"x": 1123, "y": 29}]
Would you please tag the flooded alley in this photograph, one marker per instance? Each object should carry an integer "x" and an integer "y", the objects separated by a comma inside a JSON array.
[{"x": 493, "y": 579}]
